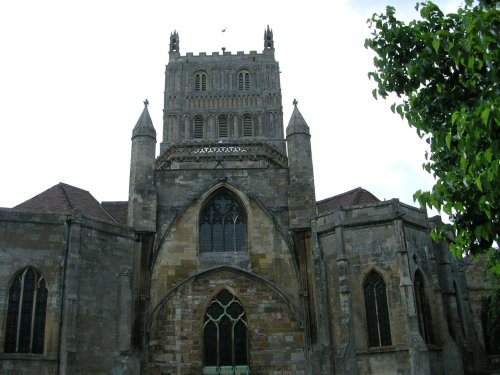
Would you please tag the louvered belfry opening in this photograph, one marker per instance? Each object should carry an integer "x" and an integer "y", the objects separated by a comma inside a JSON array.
[
  {"x": 223, "y": 131},
  {"x": 200, "y": 81},
  {"x": 244, "y": 80},
  {"x": 198, "y": 127},
  {"x": 247, "y": 126}
]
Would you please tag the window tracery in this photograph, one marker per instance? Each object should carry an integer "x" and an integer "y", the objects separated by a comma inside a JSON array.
[
  {"x": 377, "y": 313},
  {"x": 223, "y": 224},
  {"x": 225, "y": 332},
  {"x": 25, "y": 329}
]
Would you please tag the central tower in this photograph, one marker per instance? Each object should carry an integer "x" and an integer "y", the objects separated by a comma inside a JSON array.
[{"x": 222, "y": 99}]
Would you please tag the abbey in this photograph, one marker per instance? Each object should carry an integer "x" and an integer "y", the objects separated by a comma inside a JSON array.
[{"x": 223, "y": 262}]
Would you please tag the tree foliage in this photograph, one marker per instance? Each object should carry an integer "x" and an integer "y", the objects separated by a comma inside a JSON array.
[{"x": 444, "y": 69}]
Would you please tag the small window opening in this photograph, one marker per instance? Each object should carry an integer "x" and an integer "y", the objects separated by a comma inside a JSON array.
[
  {"x": 198, "y": 127},
  {"x": 223, "y": 131},
  {"x": 247, "y": 126}
]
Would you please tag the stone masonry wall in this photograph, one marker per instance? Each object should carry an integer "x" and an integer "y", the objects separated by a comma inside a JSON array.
[
  {"x": 38, "y": 241},
  {"x": 99, "y": 319},
  {"x": 362, "y": 239},
  {"x": 275, "y": 337},
  {"x": 267, "y": 254}
]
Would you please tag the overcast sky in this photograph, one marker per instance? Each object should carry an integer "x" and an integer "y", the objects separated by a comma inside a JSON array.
[{"x": 73, "y": 76}]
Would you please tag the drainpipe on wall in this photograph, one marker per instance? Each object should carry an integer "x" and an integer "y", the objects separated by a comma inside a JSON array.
[{"x": 67, "y": 230}]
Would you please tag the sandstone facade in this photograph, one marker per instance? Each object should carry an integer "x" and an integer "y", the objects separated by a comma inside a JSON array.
[{"x": 223, "y": 262}]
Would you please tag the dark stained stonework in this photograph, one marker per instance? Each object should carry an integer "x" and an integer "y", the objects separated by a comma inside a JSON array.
[{"x": 130, "y": 290}]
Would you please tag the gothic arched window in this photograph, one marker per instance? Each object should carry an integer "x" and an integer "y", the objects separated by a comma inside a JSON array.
[
  {"x": 25, "y": 330},
  {"x": 198, "y": 127},
  {"x": 423, "y": 309},
  {"x": 200, "y": 81},
  {"x": 223, "y": 126},
  {"x": 247, "y": 126},
  {"x": 223, "y": 224},
  {"x": 225, "y": 332},
  {"x": 377, "y": 313},
  {"x": 244, "y": 80}
]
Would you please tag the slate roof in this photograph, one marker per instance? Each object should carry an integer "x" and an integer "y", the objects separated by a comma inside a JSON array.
[
  {"x": 119, "y": 210},
  {"x": 63, "y": 199},
  {"x": 353, "y": 197}
]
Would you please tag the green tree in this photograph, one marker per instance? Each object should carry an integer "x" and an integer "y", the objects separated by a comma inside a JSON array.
[{"x": 444, "y": 70}]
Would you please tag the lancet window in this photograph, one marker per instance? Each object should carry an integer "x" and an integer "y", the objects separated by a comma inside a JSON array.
[
  {"x": 423, "y": 309},
  {"x": 244, "y": 80},
  {"x": 25, "y": 329},
  {"x": 223, "y": 132},
  {"x": 223, "y": 224},
  {"x": 200, "y": 81},
  {"x": 377, "y": 313},
  {"x": 247, "y": 126},
  {"x": 225, "y": 334},
  {"x": 198, "y": 127}
]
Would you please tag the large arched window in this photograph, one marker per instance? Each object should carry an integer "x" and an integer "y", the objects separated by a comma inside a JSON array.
[
  {"x": 25, "y": 330},
  {"x": 223, "y": 224},
  {"x": 423, "y": 309},
  {"x": 200, "y": 81},
  {"x": 377, "y": 313},
  {"x": 225, "y": 333}
]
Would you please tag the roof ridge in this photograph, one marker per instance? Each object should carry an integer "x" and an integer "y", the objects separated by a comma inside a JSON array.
[
  {"x": 66, "y": 195},
  {"x": 359, "y": 188}
]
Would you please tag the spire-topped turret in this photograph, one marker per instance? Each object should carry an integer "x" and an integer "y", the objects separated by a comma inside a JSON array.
[
  {"x": 301, "y": 194},
  {"x": 144, "y": 125},
  {"x": 297, "y": 123},
  {"x": 268, "y": 40},
  {"x": 174, "y": 42},
  {"x": 142, "y": 193}
]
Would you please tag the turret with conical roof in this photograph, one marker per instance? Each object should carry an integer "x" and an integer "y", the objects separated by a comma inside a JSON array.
[
  {"x": 142, "y": 192},
  {"x": 301, "y": 194}
]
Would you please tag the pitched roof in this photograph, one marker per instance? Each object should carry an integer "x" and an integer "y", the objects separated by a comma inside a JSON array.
[
  {"x": 119, "y": 210},
  {"x": 63, "y": 199},
  {"x": 353, "y": 197}
]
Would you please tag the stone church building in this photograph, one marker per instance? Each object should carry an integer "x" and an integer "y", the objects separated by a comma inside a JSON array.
[{"x": 222, "y": 261}]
